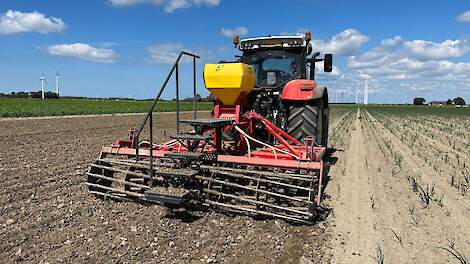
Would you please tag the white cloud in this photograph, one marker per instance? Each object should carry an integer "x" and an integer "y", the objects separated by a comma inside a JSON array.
[
  {"x": 464, "y": 17},
  {"x": 164, "y": 52},
  {"x": 396, "y": 59},
  {"x": 176, "y": 4},
  {"x": 427, "y": 50},
  {"x": 169, "y": 5},
  {"x": 168, "y": 52},
  {"x": 227, "y": 32},
  {"x": 377, "y": 56},
  {"x": 17, "y": 22},
  {"x": 335, "y": 73},
  {"x": 401, "y": 69},
  {"x": 83, "y": 51},
  {"x": 347, "y": 43}
]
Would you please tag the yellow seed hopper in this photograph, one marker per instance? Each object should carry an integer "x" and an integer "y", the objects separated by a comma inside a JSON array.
[{"x": 228, "y": 80}]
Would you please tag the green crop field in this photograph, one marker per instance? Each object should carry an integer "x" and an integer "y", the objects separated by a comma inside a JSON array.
[
  {"x": 411, "y": 110},
  {"x": 59, "y": 107},
  {"x": 25, "y": 107}
]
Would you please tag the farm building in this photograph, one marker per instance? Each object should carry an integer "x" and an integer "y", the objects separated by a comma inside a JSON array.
[{"x": 437, "y": 103}]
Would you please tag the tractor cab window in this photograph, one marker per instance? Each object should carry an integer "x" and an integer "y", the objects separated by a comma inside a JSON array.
[{"x": 274, "y": 68}]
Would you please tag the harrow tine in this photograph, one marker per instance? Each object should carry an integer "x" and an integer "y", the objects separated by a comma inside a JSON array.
[
  {"x": 253, "y": 211},
  {"x": 118, "y": 180},
  {"x": 251, "y": 189},
  {"x": 236, "y": 175},
  {"x": 258, "y": 202},
  {"x": 137, "y": 164},
  {"x": 122, "y": 198},
  {"x": 123, "y": 171},
  {"x": 278, "y": 175},
  {"x": 130, "y": 162},
  {"x": 138, "y": 195}
]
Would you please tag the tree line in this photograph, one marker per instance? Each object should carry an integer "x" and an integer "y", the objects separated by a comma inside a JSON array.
[
  {"x": 29, "y": 95},
  {"x": 455, "y": 101},
  {"x": 199, "y": 98}
]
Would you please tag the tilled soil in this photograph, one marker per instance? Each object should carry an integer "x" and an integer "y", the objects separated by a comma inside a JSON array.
[
  {"x": 386, "y": 164},
  {"x": 47, "y": 216}
]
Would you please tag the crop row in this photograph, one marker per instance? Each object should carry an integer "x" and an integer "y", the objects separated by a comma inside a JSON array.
[{"x": 450, "y": 161}]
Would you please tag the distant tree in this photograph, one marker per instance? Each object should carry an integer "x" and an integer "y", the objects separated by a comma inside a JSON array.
[
  {"x": 35, "y": 94},
  {"x": 419, "y": 101},
  {"x": 51, "y": 95},
  {"x": 190, "y": 99},
  {"x": 209, "y": 98},
  {"x": 459, "y": 101},
  {"x": 38, "y": 94},
  {"x": 22, "y": 95},
  {"x": 26, "y": 95},
  {"x": 448, "y": 102}
]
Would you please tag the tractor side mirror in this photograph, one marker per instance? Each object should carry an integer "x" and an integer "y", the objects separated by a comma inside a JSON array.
[{"x": 328, "y": 62}]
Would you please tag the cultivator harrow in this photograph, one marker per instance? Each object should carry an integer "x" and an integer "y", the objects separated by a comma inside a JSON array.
[
  {"x": 268, "y": 181},
  {"x": 239, "y": 161}
]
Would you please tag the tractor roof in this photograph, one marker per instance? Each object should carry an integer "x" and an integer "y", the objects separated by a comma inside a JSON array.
[{"x": 273, "y": 42}]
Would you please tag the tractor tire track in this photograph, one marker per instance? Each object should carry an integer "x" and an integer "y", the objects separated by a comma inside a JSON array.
[{"x": 352, "y": 240}]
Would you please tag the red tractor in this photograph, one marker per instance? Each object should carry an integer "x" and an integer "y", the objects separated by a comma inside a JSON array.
[
  {"x": 263, "y": 152},
  {"x": 285, "y": 91}
]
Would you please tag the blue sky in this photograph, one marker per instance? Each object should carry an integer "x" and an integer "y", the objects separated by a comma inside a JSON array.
[{"x": 123, "y": 47}]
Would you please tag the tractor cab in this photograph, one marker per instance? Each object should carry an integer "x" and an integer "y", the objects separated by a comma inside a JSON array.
[{"x": 280, "y": 59}]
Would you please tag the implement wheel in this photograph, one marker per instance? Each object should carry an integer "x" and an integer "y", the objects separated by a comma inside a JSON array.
[{"x": 308, "y": 119}]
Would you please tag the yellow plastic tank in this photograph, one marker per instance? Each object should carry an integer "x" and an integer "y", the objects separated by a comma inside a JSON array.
[{"x": 228, "y": 80}]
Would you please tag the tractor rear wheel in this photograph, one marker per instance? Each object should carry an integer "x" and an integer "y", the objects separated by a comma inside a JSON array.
[{"x": 308, "y": 119}]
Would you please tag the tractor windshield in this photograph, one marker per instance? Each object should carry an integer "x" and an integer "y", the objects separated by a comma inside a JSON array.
[{"x": 274, "y": 67}]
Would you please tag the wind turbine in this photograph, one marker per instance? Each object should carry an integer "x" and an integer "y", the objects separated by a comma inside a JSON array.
[
  {"x": 348, "y": 94},
  {"x": 57, "y": 83},
  {"x": 357, "y": 91},
  {"x": 43, "y": 80},
  {"x": 366, "y": 92}
]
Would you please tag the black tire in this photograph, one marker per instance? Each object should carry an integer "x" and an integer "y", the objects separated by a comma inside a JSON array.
[{"x": 308, "y": 119}]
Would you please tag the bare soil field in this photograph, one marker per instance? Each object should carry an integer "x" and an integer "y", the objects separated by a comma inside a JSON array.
[
  {"x": 47, "y": 215},
  {"x": 398, "y": 193}
]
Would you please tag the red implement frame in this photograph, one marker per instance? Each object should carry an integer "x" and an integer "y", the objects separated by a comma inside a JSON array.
[{"x": 290, "y": 154}]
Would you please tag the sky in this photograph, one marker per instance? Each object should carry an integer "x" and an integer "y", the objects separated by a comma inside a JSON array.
[{"x": 125, "y": 48}]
